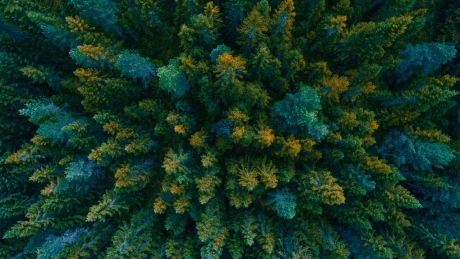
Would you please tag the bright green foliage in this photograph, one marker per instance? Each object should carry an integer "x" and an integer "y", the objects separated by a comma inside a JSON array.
[{"x": 229, "y": 129}]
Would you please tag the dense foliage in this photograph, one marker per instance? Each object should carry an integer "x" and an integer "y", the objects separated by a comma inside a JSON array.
[{"x": 229, "y": 129}]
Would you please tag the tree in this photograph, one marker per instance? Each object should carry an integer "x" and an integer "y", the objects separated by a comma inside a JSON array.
[
  {"x": 297, "y": 113},
  {"x": 101, "y": 12},
  {"x": 424, "y": 58},
  {"x": 402, "y": 150},
  {"x": 229, "y": 69},
  {"x": 172, "y": 80},
  {"x": 136, "y": 67},
  {"x": 254, "y": 27},
  {"x": 61, "y": 38},
  {"x": 283, "y": 203}
]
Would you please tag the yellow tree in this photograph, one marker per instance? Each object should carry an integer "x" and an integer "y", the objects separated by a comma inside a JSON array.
[{"x": 254, "y": 28}]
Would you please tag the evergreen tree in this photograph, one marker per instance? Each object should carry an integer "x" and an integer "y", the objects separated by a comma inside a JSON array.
[
  {"x": 424, "y": 58},
  {"x": 298, "y": 114}
]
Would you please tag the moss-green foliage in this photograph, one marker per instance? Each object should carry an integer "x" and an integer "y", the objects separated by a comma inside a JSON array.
[{"x": 229, "y": 129}]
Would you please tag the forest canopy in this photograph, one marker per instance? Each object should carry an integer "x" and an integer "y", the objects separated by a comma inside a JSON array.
[{"x": 229, "y": 129}]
